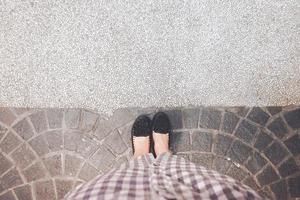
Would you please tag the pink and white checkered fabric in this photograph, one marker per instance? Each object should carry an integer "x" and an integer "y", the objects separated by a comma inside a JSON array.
[{"x": 166, "y": 177}]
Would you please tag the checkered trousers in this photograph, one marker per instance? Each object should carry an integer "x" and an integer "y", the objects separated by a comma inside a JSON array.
[{"x": 166, "y": 177}]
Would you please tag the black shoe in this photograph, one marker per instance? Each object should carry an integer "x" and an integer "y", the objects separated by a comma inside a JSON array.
[
  {"x": 161, "y": 123},
  {"x": 141, "y": 128}
]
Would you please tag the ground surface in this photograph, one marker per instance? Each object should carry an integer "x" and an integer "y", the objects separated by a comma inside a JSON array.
[
  {"x": 106, "y": 55},
  {"x": 46, "y": 152}
]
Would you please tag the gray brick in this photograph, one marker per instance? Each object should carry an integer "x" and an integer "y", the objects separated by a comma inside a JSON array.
[
  {"x": 190, "y": 118},
  {"x": 294, "y": 185},
  {"x": 72, "y": 165},
  {"x": 7, "y": 196},
  {"x": 239, "y": 152},
  {"x": 63, "y": 187},
  {"x": 201, "y": 141},
  {"x": 3, "y": 130},
  {"x": 288, "y": 168},
  {"x": 44, "y": 190},
  {"x": 24, "y": 129},
  {"x": 246, "y": 131},
  {"x": 34, "y": 172},
  {"x": 237, "y": 173},
  {"x": 39, "y": 121},
  {"x": 88, "y": 172},
  {"x": 278, "y": 127},
  {"x": 102, "y": 159},
  {"x": 175, "y": 117},
  {"x": 80, "y": 143},
  {"x": 54, "y": 140},
  {"x": 274, "y": 109},
  {"x": 262, "y": 141},
  {"x": 23, "y": 156},
  {"x": 5, "y": 164},
  {"x": 279, "y": 189},
  {"x": 6, "y": 116},
  {"x": 267, "y": 176},
  {"x": 210, "y": 119},
  {"x": 39, "y": 145},
  {"x": 293, "y": 118},
  {"x": 221, "y": 165},
  {"x": 9, "y": 142},
  {"x": 72, "y": 117},
  {"x": 104, "y": 128},
  {"x": 55, "y": 117},
  {"x": 202, "y": 159},
  {"x": 88, "y": 121},
  {"x": 276, "y": 153},
  {"x": 222, "y": 144},
  {"x": 115, "y": 143},
  {"x": 230, "y": 122},
  {"x": 23, "y": 192},
  {"x": 293, "y": 144},
  {"x": 180, "y": 142},
  {"x": 11, "y": 179},
  {"x": 53, "y": 164},
  {"x": 251, "y": 183},
  {"x": 259, "y": 116},
  {"x": 125, "y": 132},
  {"x": 122, "y": 117},
  {"x": 255, "y": 163}
]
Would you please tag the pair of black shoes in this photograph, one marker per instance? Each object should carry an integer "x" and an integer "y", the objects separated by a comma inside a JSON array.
[{"x": 144, "y": 126}]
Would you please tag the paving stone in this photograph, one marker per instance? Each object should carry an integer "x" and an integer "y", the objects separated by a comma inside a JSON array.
[
  {"x": 267, "y": 176},
  {"x": 3, "y": 130},
  {"x": 11, "y": 179},
  {"x": 274, "y": 109},
  {"x": 230, "y": 122},
  {"x": 72, "y": 165},
  {"x": 102, "y": 159},
  {"x": 175, "y": 117},
  {"x": 23, "y": 192},
  {"x": 239, "y": 110},
  {"x": 251, "y": 183},
  {"x": 54, "y": 140},
  {"x": 294, "y": 185},
  {"x": 104, "y": 127},
  {"x": 9, "y": 142},
  {"x": 80, "y": 143},
  {"x": 190, "y": 118},
  {"x": 180, "y": 142},
  {"x": 239, "y": 152},
  {"x": 278, "y": 127},
  {"x": 72, "y": 117},
  {"x": 201, "y": 141},
  {"x": 24, "y": 129},
  {"x": 39, "y": 145},
  {"x": 279, "y": 189},
  {"x": 203, "y": 159},
  {"x": 288, "y": 168},
  {"x": 262, "y": 141},
  {"x": 293, "y": 144},
  {"x": 120, "y": 161},
  {"x": 34, "y": 172},
  {"x": 55, "y": 117},
  {"x": 266, "y": 193},
  {"x": 237, "y": 173},
  {"x": 88, "y": 121},
  {"x": 221, "y": 165},
  {"x": 222, "y": 144},
  {"x": 44, "y": 190},
  {"x": 88, "y": 172},
  {"x": 121, "y": 117},
  {"x": 21, "y": 111},
  {"x": 293, "y": 118},
  {"x": 125, "y": 132},
  {"x": 246, "y": 131},
  {"x": 6, "y": 116},
  {"x": 255, "y": 163},
  {"x": 5, "y": 164},
  {"x": 63, "y": 187},
  {"x": 7, "y": 196},
  {"x": 23, "y": 156},
  {"x": 275, "y": 153},
  {"x": 115, "y": 142},
  {"x": 39, "y": 121},
  {"x": 1, "y": 187},
  {"x": 259, "y": 116},
  {"x": 53, "y": 164},
  {"x": 210, "y": 119}
]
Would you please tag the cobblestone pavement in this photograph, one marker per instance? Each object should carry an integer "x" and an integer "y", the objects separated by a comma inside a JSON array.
[{"x": 46, "y": 152}]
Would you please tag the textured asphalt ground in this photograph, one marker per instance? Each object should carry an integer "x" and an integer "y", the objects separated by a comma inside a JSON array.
[{"x": 106, "y": 55}]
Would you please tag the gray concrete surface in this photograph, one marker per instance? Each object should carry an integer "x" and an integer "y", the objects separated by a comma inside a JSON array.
[{"x": 110, "y": 54}]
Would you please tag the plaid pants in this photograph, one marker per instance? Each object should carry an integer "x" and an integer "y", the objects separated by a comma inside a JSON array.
[{"x": 166, "y": 177}]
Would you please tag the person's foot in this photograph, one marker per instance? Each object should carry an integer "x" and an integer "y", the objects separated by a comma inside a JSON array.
[
  {"x": 140, "y": 136},
  {"x": 161, "y": 128}
]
